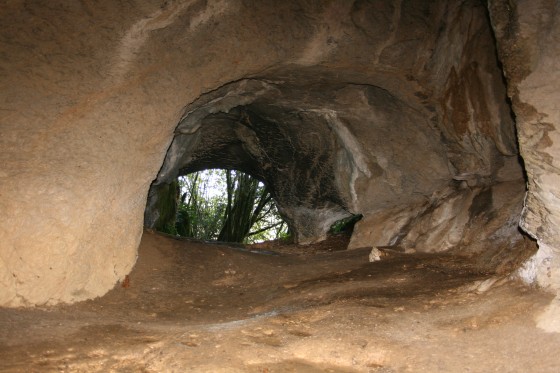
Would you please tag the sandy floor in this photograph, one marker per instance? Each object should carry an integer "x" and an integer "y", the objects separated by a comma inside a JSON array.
[{"x": 193, "y": 307}]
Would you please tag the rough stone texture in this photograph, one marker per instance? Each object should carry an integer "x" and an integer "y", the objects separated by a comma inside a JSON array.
[
  {"x": 480, "y": 221},
  {"x": 368, "y": 107},
  {"x": 528, "y": 39},
  {"x": 323, "y": 149},
  {"x": 91, "y": 94}
]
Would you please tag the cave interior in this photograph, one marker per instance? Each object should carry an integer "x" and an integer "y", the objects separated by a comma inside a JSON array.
[{"x": 433, "y": 120}]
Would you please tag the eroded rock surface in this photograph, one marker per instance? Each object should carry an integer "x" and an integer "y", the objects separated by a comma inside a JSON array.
[
  {"x": 395, "y": 110},
  {"x": 528, "y": 39}
]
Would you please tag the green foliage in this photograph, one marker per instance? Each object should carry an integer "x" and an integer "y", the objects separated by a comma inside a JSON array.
[
  {"x": 346, "y": 224},
  {"x": 200, "y": 209},
  {"x": 228, "y": 206}
]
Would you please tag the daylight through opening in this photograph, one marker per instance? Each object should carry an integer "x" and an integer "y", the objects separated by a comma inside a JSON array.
[{"x": 222, "y": 205}]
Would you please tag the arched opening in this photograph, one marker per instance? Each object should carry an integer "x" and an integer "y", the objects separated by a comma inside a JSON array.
[
  {"x": 395, "y": 111},
  {"x": 329, "y": 150},
  {"x": 220, "y": 205},
  {"x": 292, "y": 150}
]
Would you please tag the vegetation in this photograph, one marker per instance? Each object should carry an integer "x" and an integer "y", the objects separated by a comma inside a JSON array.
[
  {"x": 346, "y": 224},
  {"x": 224, "y": 205}
]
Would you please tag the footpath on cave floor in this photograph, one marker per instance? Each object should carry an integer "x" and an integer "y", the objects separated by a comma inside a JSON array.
[{"x": 195, "y": 307}]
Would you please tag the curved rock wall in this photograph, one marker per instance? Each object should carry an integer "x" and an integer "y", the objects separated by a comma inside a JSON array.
[
  {"x": 528, "y": 35},
  {"x": 324, "y": 149},
  {"x": 91, "y": 94},
  {"x": 528, "y": 39},
  {"x": 399, "y": 109}
]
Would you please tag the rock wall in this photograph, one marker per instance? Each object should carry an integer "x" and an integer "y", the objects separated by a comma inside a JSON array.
[
  {"x": 528, "y": 39},
  {"x": 396, "y": 110},
  {"x": 91, "y": 94}
]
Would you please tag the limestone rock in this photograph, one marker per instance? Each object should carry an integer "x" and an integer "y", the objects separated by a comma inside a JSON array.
[
  {"x": 528, "y": 39},
  {"x": 395, "y": 110},
  {"x": 375, "y": 255}
]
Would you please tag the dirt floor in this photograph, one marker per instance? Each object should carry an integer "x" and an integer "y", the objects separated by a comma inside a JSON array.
[{"x": 196, "y": 307}]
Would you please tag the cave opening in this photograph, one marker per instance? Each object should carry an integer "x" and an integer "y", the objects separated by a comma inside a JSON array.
[
  {"x": 291, "y": 150},
  {"x": 330, "y": 149},
  {"x": 220, "y": 205},
  {"x": 391, "y": 118}
]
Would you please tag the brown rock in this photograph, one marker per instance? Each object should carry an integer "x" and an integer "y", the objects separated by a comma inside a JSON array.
[{"x": 397, "y": 111}]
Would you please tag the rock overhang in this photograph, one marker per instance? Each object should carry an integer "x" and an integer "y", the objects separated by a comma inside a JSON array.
[
  {"x": 317, "y": 142},
  {"x": 427, "y": 70}
]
